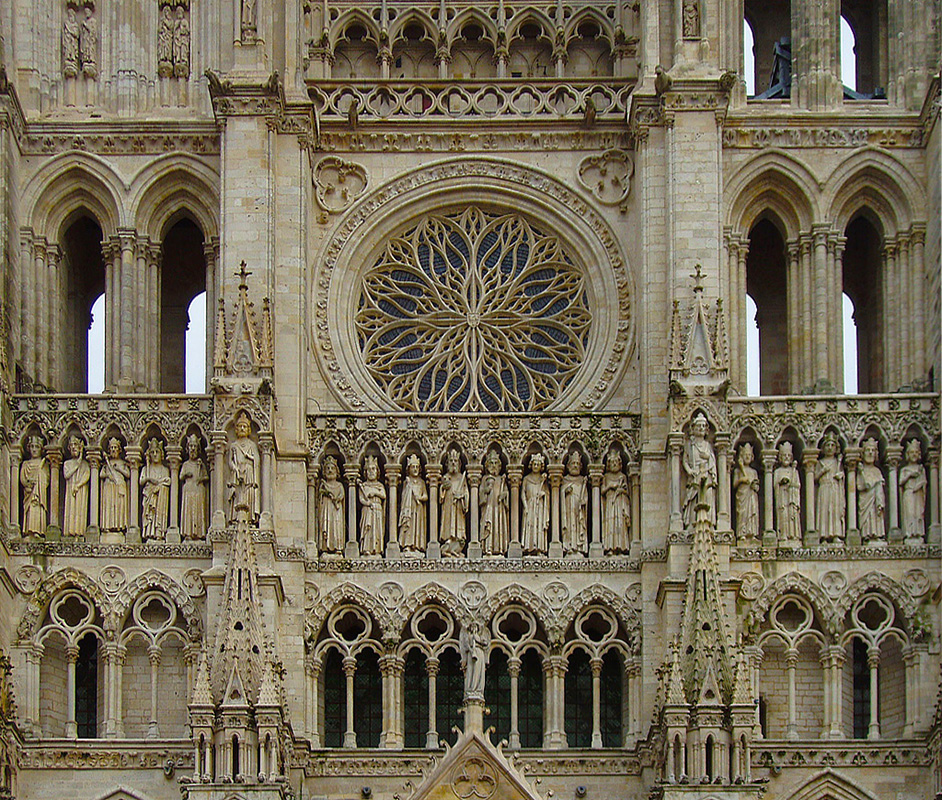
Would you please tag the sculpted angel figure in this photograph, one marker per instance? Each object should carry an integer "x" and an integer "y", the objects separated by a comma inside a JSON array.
[
  {"x": 616, "y": 506},
  {"x": 372, "y": 495},
  {"x": 871, "y": 494},
  {"x": 830, "y": 494},
  {"x": 115, "y": 474},
  {"x": 332, "y": 523},
  {"x": 746, "y": 488},
  {"x": 181, "y": 43},
  {"x": 413, "y": 509},
  {"x": 699, "y": 463},
  {"x": 574, "y": 501},
  {"x": 495, "y": 516},
  {"x": 155, "y": 491},
  {"x": 787, "y": 496},
  {"x": 193, "y": 502},
  {"x": 77, "y": 474},
  {"x": 912, "y": 486},
  {"x": 454, "y": 502},
  {"x": 534, "y": 497},
  {"x": 34, "y": 478}
]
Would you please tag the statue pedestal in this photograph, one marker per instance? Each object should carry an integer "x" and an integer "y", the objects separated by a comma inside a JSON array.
[{"x": 474, "y": 715}]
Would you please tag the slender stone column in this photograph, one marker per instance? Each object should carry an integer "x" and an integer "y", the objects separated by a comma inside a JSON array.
[
  {"x": 791, "y": 664},
  {"x": 134, "y": 492},
  {"x": 809, "y": 459},
  {"x": 909, "y": 661},
  {"x": 919, "y": 299},
  {"x": 513, "y": 668},
  {"x": 94, "y": 489},
  {"x": 121, "y": 654},
  {"x": 110, "y": 657},
  {"x": 824, "y": 658},
  {"x": 431, "y": 737},
  {"x": 266, "y": 443},
  {"x": 794, "y": 321},
  {"x": 934, "y": 526},
  {"x": 873, "y": 662},
  {"x": 555, "y": 472},
  {"x": 313, "y": 474},
  {"x": 596, "y": 547},
  {"x": 219, "y": 442},
  {"x": 15, "y": 457},
  {"x": 54, "y": 457},
  {"x": 434, "y": 474},
  {"x": 174, "y": 456},
  {"x": 313, "y": 722},
  {"x": 891, "y": 337},
  {"x": 596, "y": 666},
  {"x": 769, "y": 457},
  {"x": 393, "y": 471},
  {"x": 352, "y": 473},
  {"x": 723, "y": 478},
  {"x": 71, "y": 727},
  {"x": 514, "y": 476},
  {"x": 894, "y": 454},
  {"x": 127, "y": 314},
  {"x": 821, "y": 324},
  {"x": 475, "y": 550},
  {"x": 805, "y": 242},
  {"x": 675, "y": 444},
  {"x": 153, "y": 655},
  {"x": 349, "y": 670},
  {"x": 851, "y": 459}
]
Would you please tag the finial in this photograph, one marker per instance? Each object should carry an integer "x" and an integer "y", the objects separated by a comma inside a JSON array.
[
  {"x": 697, "y": 276},
  {"x": 243, "y": 273}
]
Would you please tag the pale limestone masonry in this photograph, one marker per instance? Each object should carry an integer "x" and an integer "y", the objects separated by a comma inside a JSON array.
[{"x": 512, "y": 231}]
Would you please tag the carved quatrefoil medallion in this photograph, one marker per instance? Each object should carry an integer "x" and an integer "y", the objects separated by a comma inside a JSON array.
[
  {"x": 607, "y": 176},
  {"x": 337, "y": 183}
]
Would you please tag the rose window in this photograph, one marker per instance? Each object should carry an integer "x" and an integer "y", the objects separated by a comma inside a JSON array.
[{"x": 473, "y": 311}]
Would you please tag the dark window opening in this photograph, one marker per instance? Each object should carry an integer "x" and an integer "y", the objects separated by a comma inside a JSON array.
[
  {"x": 367, "y": 700},
  {"x": 335, "y": 700},
  {"x": 578, "y": 691},
  {"x": 86, "y": 688},
  {"x": 415, "y": 699},
  {"x": 861, "y": 690}
]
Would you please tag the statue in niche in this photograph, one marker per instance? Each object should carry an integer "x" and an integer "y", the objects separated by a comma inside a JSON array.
[
  {"x": 165, "y": 42},
  {"x": 88, "y": 43},
  {"x": 34, "y": 478},
  {"x": 193, "y": 502},
  {"x": 373, "y": 509},
  {"x": 616, "y": 506},
  {"x": 912, "y": 486},
  {"x": 494, "y": 500},
  {"x": 691, "y": 19},
  {"x": 871, "y": 494},
  {"x": 699, "y": 463},
  {"x": 71, "y": 63},
  {"x": 787, "y": 484},
  {"x": 573, "y": 505},
  {"x": 473, "y": 646},
  {"x": 155, "y": 492},
  {"x": 830, "y": 493},
  {"x": 332, "y": 523},
  {"x": 249, "y": 20},
  {"x": 77, "y": 473},
  {"x": 181, "y": 43},
  {"x": 244, "y": 460},
  {"x": 454, "y": 503},
  {"x": 534, "y": 497},
  {"x": 413, "y": 509},
  {"x": 114, "y": 489},
  {"x": 746, "y": 489}
]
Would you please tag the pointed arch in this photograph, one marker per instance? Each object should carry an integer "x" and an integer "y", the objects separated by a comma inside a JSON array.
[
  {"x": 795, "y": 583},
  {"x": 829, "y": 785},
  {"x": 69, "y": 184},
  {"x": 412, "y": 16},
  {"x": 173, "y": 186},
  {"x": 65, "y": 577},
  {"x": 882, "y": 584},
  {"x": 428, "y": 594},
  {"x": 476, "y": 15},
  {"x": 877, "y": 180},
  {"x": 774, "y": 181},
  {"x": 354, "y": 15},
  {"x": 154, "y": 579},
  {"x": 515, "y": 593},
  {"x": 601, "y": 595},
  {"x": 349, "y": 593},
  {"x": 587, "y": 13},
  {"x": 531, "y": 14}
]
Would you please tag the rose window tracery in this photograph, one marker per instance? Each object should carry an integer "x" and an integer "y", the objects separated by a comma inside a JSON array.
[{"x": 473, "y": 311}]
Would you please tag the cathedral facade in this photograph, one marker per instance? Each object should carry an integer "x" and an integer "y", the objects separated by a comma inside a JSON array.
[{"x": 475, "y": 500}]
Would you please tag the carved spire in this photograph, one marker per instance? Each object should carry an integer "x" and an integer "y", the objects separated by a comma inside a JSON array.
[
  {"x": 240, "y": 651},
  {"x": 675, "y": 686},
  {"x": 704, "y": 646},
  {"x": 699, "y": 345},
  {"x": 202, "y": 696}
]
